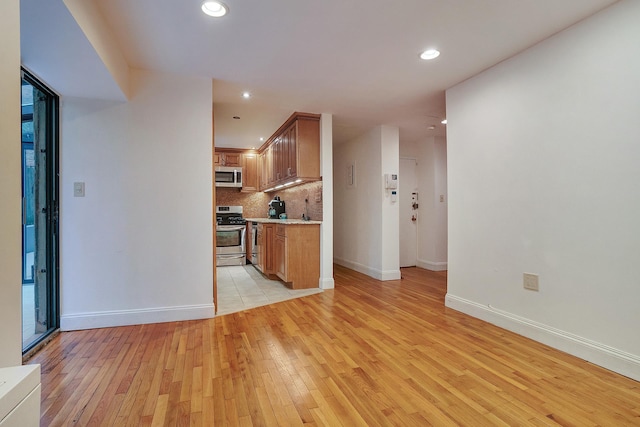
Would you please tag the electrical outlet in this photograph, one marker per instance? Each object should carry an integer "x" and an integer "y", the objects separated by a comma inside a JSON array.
[
  {"x": 530, "y": 281},
  {"x": 442, "y": 198}
]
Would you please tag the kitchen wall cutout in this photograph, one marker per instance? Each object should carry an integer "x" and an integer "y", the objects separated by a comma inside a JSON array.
[{"x": 255, "y": 205}]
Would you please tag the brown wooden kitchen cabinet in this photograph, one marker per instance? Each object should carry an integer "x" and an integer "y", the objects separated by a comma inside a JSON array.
[
  {"x": 262, "y": 171},
  {"x": 233, "y": 159},
  {"x": 270, "y": 170},
  {"x": 265, "y": 168},
  {"x": 266, "y": 260},
  {"x": 292, "y": 153},
  {"x": 297, "y": 254},
  {"x": 290, "y": 167},
  {"x": 287, "y": 164},
  {"x": 279, "y": 248},
  {"x": 249, "y": 172},
  {"x": 304, "y": 148},
  {"x": 247, "y": 159},
  {"x": 227, "y": 158}
]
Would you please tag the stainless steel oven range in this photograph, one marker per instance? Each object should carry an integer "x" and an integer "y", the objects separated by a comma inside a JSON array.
[
  {"x": 230, "y": 236},
  {"x": 254, "y": 243}
]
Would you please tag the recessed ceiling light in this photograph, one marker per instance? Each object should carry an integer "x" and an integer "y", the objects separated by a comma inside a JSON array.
[
  {"x": 430, "y": 54},
  {"x": 444, "y": 122},
  {"x": 261, "y": 139},
  {"x": 246, "y": 95},
  {"x": 214, "y": 8}
]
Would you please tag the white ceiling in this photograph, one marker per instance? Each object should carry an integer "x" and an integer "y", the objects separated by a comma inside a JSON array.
[
  {"x": 356, "y": 59},
  {"x": 53, "y": 47}
]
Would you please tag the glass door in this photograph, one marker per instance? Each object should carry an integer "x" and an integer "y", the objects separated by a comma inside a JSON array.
[{"x": 39, "y": 211}]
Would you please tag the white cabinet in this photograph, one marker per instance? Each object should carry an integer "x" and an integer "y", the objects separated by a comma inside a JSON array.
[{"x": 20, "y": 396}]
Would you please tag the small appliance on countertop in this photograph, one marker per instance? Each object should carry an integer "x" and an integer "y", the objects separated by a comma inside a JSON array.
[{"x": 276, "y": 207}]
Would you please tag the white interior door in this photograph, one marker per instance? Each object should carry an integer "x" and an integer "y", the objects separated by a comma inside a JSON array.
[{"x": 408, "y": 216}]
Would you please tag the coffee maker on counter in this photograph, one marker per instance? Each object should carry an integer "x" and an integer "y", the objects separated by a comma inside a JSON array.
[{"x": 276, "y": 207}]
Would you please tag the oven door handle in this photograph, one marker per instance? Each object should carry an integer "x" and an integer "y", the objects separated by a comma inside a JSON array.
[
  {"x": 229, "y": 256},
  {"x": 231, "y": 228}
]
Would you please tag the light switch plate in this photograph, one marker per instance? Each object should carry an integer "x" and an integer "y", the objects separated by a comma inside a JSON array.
[
  {"x": 530, "y": 281},
  {"x": 78, "y": 189}
]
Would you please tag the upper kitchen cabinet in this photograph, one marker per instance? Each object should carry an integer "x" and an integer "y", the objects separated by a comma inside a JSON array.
[
  {"x": 265, "y": 168},
  {"x": 292, "y": 155},
  {"x": 227, "y": 158},
  {"x": 237, "y": 158},
  {"x": 250, "y": 172},
  {"x": 291, "y": 166},
  {"x": 270, "y": 163}
]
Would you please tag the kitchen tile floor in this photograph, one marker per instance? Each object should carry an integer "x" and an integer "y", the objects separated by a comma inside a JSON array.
[{"x": 243, "y": 287}]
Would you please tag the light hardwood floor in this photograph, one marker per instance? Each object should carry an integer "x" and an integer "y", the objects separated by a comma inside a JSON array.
[{"x": 367, "y": 353}]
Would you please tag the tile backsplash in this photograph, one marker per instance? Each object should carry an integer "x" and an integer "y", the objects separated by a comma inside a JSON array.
[{"x": 256, "y": 205}]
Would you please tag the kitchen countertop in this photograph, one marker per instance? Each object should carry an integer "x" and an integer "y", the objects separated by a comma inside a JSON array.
[{"x": 282, "y": 221}]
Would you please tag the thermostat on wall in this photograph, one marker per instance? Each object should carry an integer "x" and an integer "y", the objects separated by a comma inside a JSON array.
[{"x": 390, "y": 181}]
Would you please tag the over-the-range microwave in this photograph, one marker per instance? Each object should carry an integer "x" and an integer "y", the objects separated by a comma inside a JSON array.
[{"x": 227, "y": 176}]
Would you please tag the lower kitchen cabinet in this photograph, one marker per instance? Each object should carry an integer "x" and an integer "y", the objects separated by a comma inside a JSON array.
[
  {"x": 297, "y": 254},
  {"x": 281, "y": 255},
  {"x": 289, "y": 252},
  {"x": 265, "y": 250}
]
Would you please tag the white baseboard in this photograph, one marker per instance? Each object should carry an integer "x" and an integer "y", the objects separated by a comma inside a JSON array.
[
  {"x": 433, "y": 266},
  {"x": 610, "y": 358},
  {"x": 365, "y": 269},
  {"x": 327, "y": 283},
  {"x": 390, "y": 275},
  {"x": 107, "y": 319}
]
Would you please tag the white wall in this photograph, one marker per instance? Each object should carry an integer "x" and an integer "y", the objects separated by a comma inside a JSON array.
[
  {"x": 137, "y": 248},
  {"x": 431, "y": 174},
  {"x": 409, "y": 149},
  {"x": 103, "y": 40},
  {"x": 543, "y": 178},
  {"x": 326, "y": 164},
  {"x": 366, "y": 219},
  {"x": 10, "y": 199},
  {"x": 441, "y": 235},
  {"x": 390, "y": 227}
]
